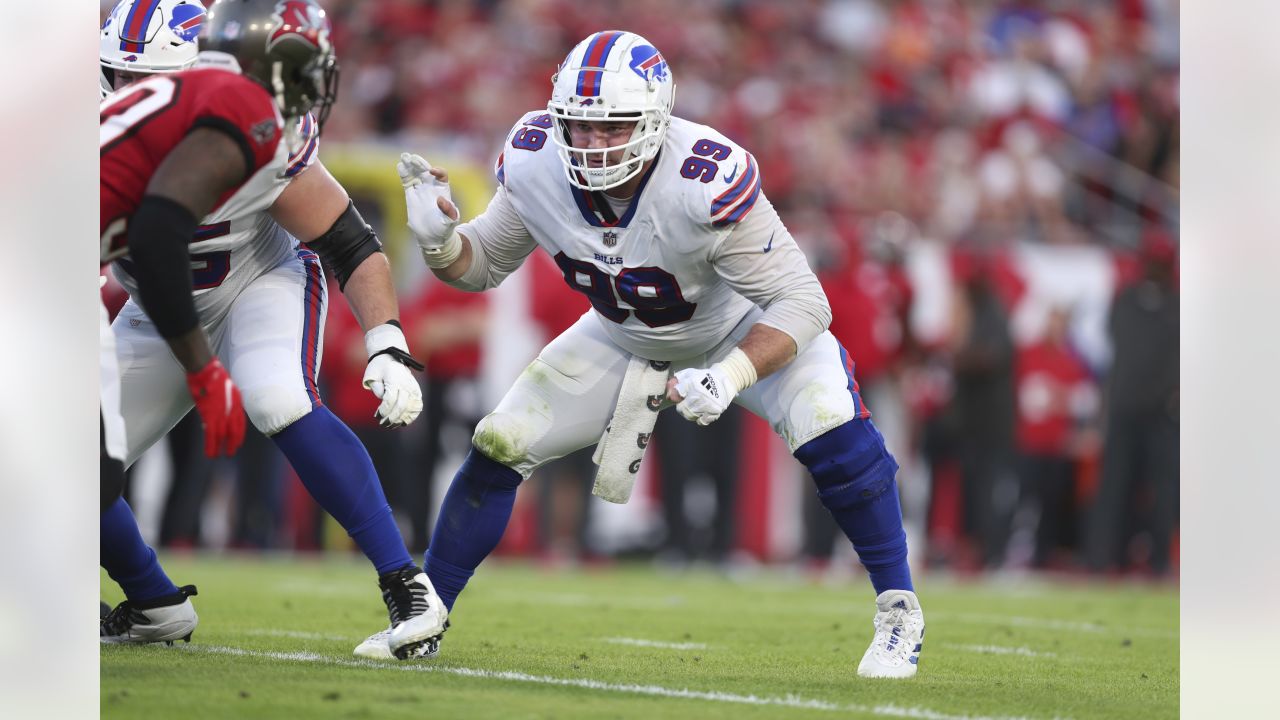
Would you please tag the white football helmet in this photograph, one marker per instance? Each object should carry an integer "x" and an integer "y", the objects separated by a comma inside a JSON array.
[
  {"x": 149, "y": 36},
  {"x": 612, "y": 75}
]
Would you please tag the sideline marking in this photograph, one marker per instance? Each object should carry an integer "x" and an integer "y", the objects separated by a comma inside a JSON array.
[{"x": 793, "y": 701}]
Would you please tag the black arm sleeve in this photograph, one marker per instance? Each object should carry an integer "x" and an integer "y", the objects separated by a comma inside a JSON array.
[
  {"x": 346, "y": 244},
  {"x": 159, "y": 232}
]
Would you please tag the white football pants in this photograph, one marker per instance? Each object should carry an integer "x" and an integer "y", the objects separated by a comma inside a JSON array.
[
  {"x": 109, "y": 369},
  {"x": 270, "y": 342},
  {"x": 564, "y": 399}
]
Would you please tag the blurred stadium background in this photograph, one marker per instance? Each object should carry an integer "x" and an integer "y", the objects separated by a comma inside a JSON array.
[{"x": 988, "y": 189}]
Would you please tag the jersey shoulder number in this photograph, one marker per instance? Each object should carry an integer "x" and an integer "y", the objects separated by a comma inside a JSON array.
[
  {"x": 123, "y": 114},
  {"x": 726, "y": 177},
  {"x": 528, "y": 135}
]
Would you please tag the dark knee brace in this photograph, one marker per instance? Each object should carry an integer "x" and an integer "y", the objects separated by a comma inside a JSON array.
[
  {"x": 854, "y": 473},
  {"x": 850, "y": 465}
]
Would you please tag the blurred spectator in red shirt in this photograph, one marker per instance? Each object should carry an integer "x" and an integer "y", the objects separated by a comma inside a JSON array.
[{"x": 1057, "y": 404}]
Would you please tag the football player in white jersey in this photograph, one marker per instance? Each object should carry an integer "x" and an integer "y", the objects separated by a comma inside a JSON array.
[
  {"x": 261, "y": 299},
  {"x": 662, "y": 224}
]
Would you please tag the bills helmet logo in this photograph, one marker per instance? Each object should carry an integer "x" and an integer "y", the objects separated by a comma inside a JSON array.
[
  {"x": 186, "y": 21},
  {"x": 300, "y": 20},
  {"x": 648, "y": 63}
]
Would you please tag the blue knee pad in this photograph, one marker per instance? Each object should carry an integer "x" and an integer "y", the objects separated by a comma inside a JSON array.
[
  {"x": 850, "y": 465},
  {"x": 855, "y": 473}
]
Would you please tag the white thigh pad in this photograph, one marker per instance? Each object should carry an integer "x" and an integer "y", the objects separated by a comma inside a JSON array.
[
  {"x": 812, "y": 394},
  {"x": 153, "y": 387},
  {"x": 560, "y": 403},
  {"x": 273, "y": 340}
]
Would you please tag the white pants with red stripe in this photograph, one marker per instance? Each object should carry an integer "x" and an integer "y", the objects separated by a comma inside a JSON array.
[
  {"x": 564, "y": 399},
  {"x": 113, "y": 435},
  {"x": 270, "y": 342}
]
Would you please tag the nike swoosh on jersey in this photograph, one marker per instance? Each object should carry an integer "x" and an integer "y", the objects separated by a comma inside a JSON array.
[
  {"x": 729, "y": 178},
  {"x": 769, "y": 247}
]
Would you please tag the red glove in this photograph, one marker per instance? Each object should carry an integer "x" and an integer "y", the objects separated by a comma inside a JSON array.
[{"x": 220, "y": 408}]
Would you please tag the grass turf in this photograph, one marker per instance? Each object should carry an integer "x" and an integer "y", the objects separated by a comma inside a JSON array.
[{"x": 276, "y": 635}]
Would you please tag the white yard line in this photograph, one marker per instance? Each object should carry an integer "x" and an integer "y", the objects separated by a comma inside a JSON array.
[
  {"x": 791, "y": 701},
  {"x": 655, "y": 643},
  {"x": 1000, "y": 650}
]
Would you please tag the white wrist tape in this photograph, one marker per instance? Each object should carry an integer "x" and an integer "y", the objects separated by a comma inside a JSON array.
[
  {"x": 382, "y": 337},
  {"x": 446, "y": 254},
  {"x": 737, "y": 367}
]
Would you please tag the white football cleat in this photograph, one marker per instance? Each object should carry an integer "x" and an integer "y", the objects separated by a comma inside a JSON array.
[
  {"x": 164, "y": 619},
  {"x": 378, "y": 647},
  {"x": 418, "y": 615},
  {"x": 895, "y": 649}
]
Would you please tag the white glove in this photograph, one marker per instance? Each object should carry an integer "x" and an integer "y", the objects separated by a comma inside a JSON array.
[
  {"x": 389, "y": 378},
  {"x": 707, "y": 394},
  {"x": 702, "y": 395},
  {"x": 431, "y": 225}
]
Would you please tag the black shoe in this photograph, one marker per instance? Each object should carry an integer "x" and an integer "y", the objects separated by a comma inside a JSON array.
[{"x": 163, "y": 619}]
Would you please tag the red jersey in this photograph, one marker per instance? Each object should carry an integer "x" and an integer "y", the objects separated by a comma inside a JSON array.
[
  {"x": 1055, "y": 390},
  {"x": 437, "y": 303},
  {"x": 142, "y": 123}
]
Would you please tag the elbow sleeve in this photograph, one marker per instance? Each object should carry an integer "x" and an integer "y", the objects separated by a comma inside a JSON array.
[
  {"x": 346, "y": 244},
  {"x": 159, "y": 232},
  {"x": 804, "y": 316}
]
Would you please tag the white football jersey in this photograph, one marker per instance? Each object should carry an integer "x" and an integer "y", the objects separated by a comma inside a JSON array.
[
  {"x": 649, "y": 274},
  {"x": 239, "y": 241}
]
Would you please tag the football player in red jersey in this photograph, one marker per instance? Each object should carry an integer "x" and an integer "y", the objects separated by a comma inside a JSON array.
[{"x": 258, "y": 295}]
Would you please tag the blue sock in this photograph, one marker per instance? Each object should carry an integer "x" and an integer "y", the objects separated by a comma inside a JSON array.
[
  {"x": 471, "y": 522},
  {"x": 855, "y": 478},
  {"x": 337, "y": 471},
  {"x": 127, "y": 559}
]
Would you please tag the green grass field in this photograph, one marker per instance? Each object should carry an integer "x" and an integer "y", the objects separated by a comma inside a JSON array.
[{"x": 276, "y": 635}]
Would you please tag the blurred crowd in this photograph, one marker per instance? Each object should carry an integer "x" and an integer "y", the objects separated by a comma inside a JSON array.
[{"x": 988, "y": 190}]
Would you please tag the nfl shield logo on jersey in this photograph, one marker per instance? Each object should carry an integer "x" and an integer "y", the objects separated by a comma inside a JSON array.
[{"x": 610, "y": 238}]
